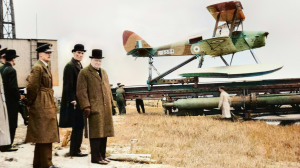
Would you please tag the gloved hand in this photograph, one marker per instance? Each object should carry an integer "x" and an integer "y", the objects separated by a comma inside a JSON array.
[{"x": 87, "y": 112}]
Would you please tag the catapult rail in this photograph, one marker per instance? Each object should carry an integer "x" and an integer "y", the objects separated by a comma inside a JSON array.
[{"x": 274, "y": 86}]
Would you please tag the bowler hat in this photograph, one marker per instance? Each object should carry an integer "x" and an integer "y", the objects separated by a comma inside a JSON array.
[
  {"x": 78, "y": 47},
  {"x": 10, "y": 54},
  {"x": 44, "y": 48},
  {"x": 97, "y": 54}
]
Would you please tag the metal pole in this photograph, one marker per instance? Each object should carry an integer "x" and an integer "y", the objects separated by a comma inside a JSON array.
[
  {"x": 172, "y": 70},
  {"x": 1, "y": 20},
  {"x": 13, "y": 19}
]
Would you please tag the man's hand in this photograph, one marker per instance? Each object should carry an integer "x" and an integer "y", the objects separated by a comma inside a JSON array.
[
  {"x": 22, "y": 97},
  {"x": 87, "y": 112},
  {"x": 74, "y": 103}
]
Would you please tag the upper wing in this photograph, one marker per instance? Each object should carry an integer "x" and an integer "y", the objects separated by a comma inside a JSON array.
[{"x": 226, "y": 11}]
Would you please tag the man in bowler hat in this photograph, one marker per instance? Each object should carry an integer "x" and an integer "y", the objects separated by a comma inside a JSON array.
[
  {"x": 95, "y": 99},
  {"x": 70, "y": 112},
  {"x": 12, "y": 95},
  {"x": 42, "y": 126}
]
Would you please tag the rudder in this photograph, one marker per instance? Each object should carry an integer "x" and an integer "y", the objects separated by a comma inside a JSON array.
[{"x": 129, "y": 41}]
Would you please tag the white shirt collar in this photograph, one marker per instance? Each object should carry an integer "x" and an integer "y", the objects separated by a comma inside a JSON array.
[{"x": 44, "y": 63}]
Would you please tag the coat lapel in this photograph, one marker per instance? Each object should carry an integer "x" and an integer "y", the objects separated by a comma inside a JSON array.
[
  {"x": 45, "y": 68},
  {"x": 94, "y": 72},
  {"x": 76, "y": 64}
]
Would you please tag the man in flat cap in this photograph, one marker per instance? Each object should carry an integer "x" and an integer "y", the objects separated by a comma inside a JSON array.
[
  {"x": 120, "y": 94},
  {"x": 12, "y": 95},
  {"x": 42, "y": 126},
  {"x": 95, "y": 99},
  {"x": 70, "y": 112}
]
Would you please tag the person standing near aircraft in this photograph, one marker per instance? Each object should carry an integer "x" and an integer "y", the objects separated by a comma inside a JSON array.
[
  {"x": 120, "y": 94},
  {"x": 224, "y": 103},
  {"x": 42, "y": 126},
  {"x": 95, "y": 99},
  {"x": 70, "y": 112},
  {"x": 138, "y": 103},
  {"x": 12, "y": 96}
]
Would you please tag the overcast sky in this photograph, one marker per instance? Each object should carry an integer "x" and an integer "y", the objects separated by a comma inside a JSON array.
[{"x": 100, "y": 24}]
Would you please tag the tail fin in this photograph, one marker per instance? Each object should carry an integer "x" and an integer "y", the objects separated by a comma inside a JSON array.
[{"x": 129, "y": 41}]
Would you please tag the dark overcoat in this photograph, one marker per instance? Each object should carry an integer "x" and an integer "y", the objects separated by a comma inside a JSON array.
[
  {"x": 95, "y": 92},
  {"x": 42, "y": 126},
  {"x": 70, "y": 117},
  {"x": 12, "y": 94}
]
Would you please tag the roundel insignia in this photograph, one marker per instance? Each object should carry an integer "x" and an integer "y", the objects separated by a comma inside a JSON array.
[
  {"x": 217, "y": 41},
  {"x": 195, "y": 49}
]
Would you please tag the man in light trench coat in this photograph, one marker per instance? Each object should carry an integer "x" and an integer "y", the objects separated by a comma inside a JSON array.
[
  {"x": 95, "y": 99},
  {"x": 224, "y": 103},
  {"x": 42, "y": 125}
]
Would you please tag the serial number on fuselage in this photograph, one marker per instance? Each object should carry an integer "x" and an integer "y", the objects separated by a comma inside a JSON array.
[{"x": 164, "y": 52}]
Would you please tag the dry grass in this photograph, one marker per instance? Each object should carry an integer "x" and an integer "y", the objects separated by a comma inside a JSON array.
[{"x": 207, "y": 142}]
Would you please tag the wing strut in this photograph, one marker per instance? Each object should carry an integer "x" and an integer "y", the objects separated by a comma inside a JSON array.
[
  {"x": 231, "y": 58},
  {"x": 224, "y": 60}
]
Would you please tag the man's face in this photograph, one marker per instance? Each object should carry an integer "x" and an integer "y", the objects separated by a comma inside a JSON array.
[
  {"x": 3, "y": 60},
  {"x": 96, "y": 63},
  {"x": 45, "y": 56},
  {"x": 13, "y": 63},
  {"x": 78, "y": 55}
]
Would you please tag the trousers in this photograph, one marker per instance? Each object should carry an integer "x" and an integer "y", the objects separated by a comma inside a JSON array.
[{"x": 98, "y": 149}]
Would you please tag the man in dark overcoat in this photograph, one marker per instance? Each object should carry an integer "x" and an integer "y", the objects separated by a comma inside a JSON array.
[
  {"x": 95, "y": 99},
  {"x": 70, "y": 112},
  {"x": 12, "y": 95},
  {"x": 42, "y": 126}
]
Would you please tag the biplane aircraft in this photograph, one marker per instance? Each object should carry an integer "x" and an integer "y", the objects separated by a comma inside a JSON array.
[{"x": 235, "y": 41}]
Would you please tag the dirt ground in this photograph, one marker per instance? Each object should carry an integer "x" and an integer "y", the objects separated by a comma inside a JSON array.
[
  {"x": 24, "y": 156},
  {"x": 186, "y": 141}
]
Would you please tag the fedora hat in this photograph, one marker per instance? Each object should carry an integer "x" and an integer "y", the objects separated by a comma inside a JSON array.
[
  {"x": 79, "y": 47},
  {"x": 97, "y": 54},
  {"x": 10, "y": 54}
]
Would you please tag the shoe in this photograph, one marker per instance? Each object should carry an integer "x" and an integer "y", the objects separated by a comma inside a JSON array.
[
  {"x": 101, "y": 162},
  {"x": 53, "y": 166},
  {"x": 10, "y": 150},
  {"x": 107, "y": 160},
  {"x": 79, "y": 155}
]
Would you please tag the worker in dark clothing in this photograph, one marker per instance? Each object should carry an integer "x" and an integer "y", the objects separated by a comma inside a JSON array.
[
  {"x": 120, "y": 94},
  {"x": 138, "y": 103}
]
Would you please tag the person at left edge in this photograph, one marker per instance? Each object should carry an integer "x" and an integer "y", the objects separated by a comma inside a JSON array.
[
  {"x": 4, "y": 126},
  {"x": 70, "y": 112},
  {"x": 42, "y": 125},
  {"x": 12, "y": 95}
]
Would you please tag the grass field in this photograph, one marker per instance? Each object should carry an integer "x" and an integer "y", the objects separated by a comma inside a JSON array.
[{"x": 208, "y": 142}]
